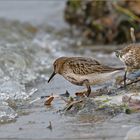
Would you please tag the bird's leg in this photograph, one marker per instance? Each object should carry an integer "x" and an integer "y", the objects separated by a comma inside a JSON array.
[
  {"x": 88, "y": 88},
  {"x": 86, "y": 83},
  {"x": 124, "y": 79},
  {"x": 87, "y": 92}
]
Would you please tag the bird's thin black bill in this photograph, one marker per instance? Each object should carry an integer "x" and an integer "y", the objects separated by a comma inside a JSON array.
[{"x": 53, "y": 74}]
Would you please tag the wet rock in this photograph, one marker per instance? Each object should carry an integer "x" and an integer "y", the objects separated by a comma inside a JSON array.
[
  {"x": 101, "y": 108},
  {"x": 104, "y": 21},
  {"x": 66, "y": 94},
  {"x": 50, "y": 126},
  {"x": 20, "y": 128},
  {"x": 133, "y": 102},
  {"x": 133, "y": 134},
  {"x": 133, "y": 75}
]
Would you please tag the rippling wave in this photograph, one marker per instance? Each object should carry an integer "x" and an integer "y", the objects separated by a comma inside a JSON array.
[{"x": 26, "y": 54}]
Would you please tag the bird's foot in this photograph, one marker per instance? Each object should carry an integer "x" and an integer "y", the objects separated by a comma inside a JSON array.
[{"x": 81, "y": 94}]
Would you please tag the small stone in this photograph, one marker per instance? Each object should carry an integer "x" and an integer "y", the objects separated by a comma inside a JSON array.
[
  {"x": 133, "y": 134},
  {"x": 20, "y": 128}
]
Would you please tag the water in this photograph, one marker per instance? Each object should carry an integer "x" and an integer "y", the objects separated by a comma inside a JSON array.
[
  {"x": 36, "y": 12},
  {"x": 26, "y": 51},
  {"x": 32, "y": 36}
]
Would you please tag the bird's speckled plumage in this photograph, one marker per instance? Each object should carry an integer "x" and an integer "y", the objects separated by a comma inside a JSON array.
[
  {"x": 83, "y": 71},
  {"x": 130, "y": 55}
]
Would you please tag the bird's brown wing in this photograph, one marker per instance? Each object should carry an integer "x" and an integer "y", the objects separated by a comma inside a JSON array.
[
  {"x": 132, "y": 56},
  {"x": 84, "y": 66}
]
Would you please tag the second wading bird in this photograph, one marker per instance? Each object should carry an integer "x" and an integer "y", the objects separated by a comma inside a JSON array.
[
  {"x": 83, "y": 71},
  {"x": 130, "y": 56}
]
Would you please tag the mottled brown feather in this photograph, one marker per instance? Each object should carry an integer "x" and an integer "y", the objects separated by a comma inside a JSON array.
[
  {"x": 84, "y": 66},
  {"x": 131, "y": 56}
]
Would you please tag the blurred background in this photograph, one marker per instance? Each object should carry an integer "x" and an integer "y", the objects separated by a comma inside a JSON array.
[{"x": 104, "y": 22}]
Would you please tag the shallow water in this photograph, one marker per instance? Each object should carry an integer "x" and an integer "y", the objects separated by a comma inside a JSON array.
[{"x": 27, "y": 51}]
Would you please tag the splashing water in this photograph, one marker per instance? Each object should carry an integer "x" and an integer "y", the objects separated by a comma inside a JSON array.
[{"x": 26, "y": 54}]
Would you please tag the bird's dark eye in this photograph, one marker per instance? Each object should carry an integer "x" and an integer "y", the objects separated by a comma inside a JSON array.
[{"x": 54, "y": 66}]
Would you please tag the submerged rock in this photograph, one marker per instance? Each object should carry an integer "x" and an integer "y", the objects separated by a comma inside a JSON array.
[{"x": 133, "y": 134}]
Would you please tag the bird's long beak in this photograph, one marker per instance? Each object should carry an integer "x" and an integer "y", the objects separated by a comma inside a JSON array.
[{"x": 53, "y": 74}]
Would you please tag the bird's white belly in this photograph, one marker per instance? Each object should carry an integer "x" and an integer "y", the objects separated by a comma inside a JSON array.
[
  {"x": 100, "y": 78},
  {"x": 92, "y": 78}
]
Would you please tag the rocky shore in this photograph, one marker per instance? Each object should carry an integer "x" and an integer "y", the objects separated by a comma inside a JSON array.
[{"x": 104, "y": 22}]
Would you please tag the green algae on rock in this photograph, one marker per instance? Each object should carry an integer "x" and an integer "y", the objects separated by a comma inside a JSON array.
[{"x": 104, "y": 21}]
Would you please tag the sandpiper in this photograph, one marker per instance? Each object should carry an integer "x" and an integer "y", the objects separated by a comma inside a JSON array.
[
  {"x": 83, "y": 71},
  {"x": 130, "y": 56}
]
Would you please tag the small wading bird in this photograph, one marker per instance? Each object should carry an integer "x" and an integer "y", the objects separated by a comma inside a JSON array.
[
  {"x": 83, "y": 71},
  {"x": 130, "y": 56}
]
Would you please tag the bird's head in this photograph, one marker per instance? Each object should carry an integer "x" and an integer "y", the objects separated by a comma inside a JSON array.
[{"x": 57, "y": 66}]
